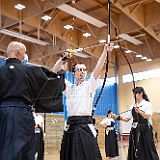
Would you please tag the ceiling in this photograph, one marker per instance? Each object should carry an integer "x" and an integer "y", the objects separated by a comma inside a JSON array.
[{"x": 137, "y": 18}]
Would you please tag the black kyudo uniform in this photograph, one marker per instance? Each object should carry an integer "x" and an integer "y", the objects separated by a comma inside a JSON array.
[
  {"x": 141, "y": 142},
  {"x": 20, "y": 86},
  {"x": 111, "y": 144},
  {"x": 80, "y": 137},
  {"x": 39, "y": 143}
]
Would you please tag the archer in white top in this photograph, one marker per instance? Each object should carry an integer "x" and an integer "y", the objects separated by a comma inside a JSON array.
[
  {"x": 79, "y": 96},
  {"x": 144, "y": 108}
]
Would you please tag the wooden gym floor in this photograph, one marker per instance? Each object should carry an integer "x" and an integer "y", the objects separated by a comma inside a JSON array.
[{"x": 123, "y": 148}]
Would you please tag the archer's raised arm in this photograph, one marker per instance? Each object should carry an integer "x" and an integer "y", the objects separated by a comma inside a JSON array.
[{"x": 101, "y": 61}]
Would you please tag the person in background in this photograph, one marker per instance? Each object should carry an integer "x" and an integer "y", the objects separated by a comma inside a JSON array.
[
  {"x": 39, "y": 134},
  {"x": 80, "y": 137},
  {"x": 111, "y": 144},
  {"x": 141, "y": 142}
]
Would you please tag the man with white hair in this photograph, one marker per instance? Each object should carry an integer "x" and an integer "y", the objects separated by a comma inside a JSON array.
[{"x": 19, "y": 87}]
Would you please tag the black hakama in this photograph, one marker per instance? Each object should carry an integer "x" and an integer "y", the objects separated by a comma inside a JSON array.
[
  {"x": 141, "y": 142},
  {"x": 39, "y": 143},
  {"x": 78, "y": 141},
  {"x": 111, "y": 144}
]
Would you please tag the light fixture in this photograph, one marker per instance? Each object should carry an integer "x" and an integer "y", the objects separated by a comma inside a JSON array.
[
  {"x": 130, "y": 39},
  {"x": 128, "y": 51},
  {"x": 143, "y": 58},
  {"x": 102, "y": 41},
  {"x": 19, "y": 6},
  {"x": 86, "y": 34},
  {"x": 148, "y": 60},
  {"x": 116, "y": 46},
  {"x": 139, "y": 56},
  {"x": 81, "y": 55},
  {"x": 157, "y": 1},
  {"x": 68, "y": 26},
  {"x": 23, "y": 37},
  {"x": 78, "y": 49},
  {"x": 46, "y": 17},
  {"x": 81, "y": 15}
]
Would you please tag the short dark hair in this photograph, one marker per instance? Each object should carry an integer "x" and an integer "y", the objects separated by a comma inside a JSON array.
[
  {"x": 74, "y": 65},
  {"x": 109, "y": 111}
]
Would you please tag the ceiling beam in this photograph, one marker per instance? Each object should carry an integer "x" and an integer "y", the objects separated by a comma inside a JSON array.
[
  {"x": 152, "y": 17},
  {"x": 86, "y": 11},
  {"x": 136, "y": 19},
  {"x": 11, "y": 26},
  {"x": 37, "y": 4},
  {"x": 35, "y": 22},
  {"x": 132, "y": 3},
  {"x": 29, "y": 13},
  {"x": 99, "y": 3},
  {"x": 46, "y": 7},
  {"x": 149, "y": 48},
  {"x": 53, "y": 19}
]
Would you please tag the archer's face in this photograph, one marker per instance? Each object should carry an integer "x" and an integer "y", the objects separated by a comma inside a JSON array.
[
  {"x": 138, "y": 96},
  {"x": 80, "y": 72}
]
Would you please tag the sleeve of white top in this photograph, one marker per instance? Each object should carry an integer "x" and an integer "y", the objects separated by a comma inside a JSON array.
[
  {"x": 93, "y": 83},
  {"x": 68, "y": 86},
  {"x": 106, "y": 122},
  {"x": 129, "y": 113},
  {"x": 148, "y": 108}
]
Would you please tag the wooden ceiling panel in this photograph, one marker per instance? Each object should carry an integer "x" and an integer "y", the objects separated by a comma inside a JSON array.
[{"x": 140, "y": 19}]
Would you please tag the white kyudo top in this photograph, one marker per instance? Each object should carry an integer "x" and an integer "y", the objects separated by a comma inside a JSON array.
[
  {"x": 107, "y": 121},
  {"x": 79, "y": 98},
  {"x": 144, "y": 106}
]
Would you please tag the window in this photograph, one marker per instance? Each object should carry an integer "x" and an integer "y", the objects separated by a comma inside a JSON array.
[{"x": 155, "y": 73}]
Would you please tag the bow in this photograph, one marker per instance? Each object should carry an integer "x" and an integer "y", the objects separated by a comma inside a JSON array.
[
  {"x": 107, "y": 64},
  {"x": 135, "y": 146}
]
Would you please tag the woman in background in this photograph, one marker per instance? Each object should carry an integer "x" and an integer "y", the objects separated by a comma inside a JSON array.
[{"x": 141, "y": 142}]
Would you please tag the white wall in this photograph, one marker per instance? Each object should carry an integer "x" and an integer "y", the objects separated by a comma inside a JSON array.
[{"x": 151, "y": 86}]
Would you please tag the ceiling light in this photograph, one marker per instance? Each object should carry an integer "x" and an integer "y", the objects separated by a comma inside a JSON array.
[
  {"x": 148, "y": 60},
  {"x": 128, "y": 51},
  {"x": 139, "y": 56},
  {"x": 68, "y": 26},
  {"x": 102, "y": 41},
  {"x": 46, "y": 17},
  {"x": 116, "y": 46},
  {"x": 143, "y": 58},
  {"x": 86, "y": 34},
  {"x": 130, "y": 39},
  {"x": 81, "y": 55},
  {"x": 157, "y": 1},
  {"x": 19, "y": 7},
  {"x": 81, "y": 15},
  {"x": 23, "y": 37},
  {"x": 78, "y": 49}
]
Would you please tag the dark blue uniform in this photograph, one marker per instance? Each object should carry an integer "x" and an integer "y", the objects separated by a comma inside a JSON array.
[
  {"x": 2, "y": 61},
  {"x": 20, "y": 86}
]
